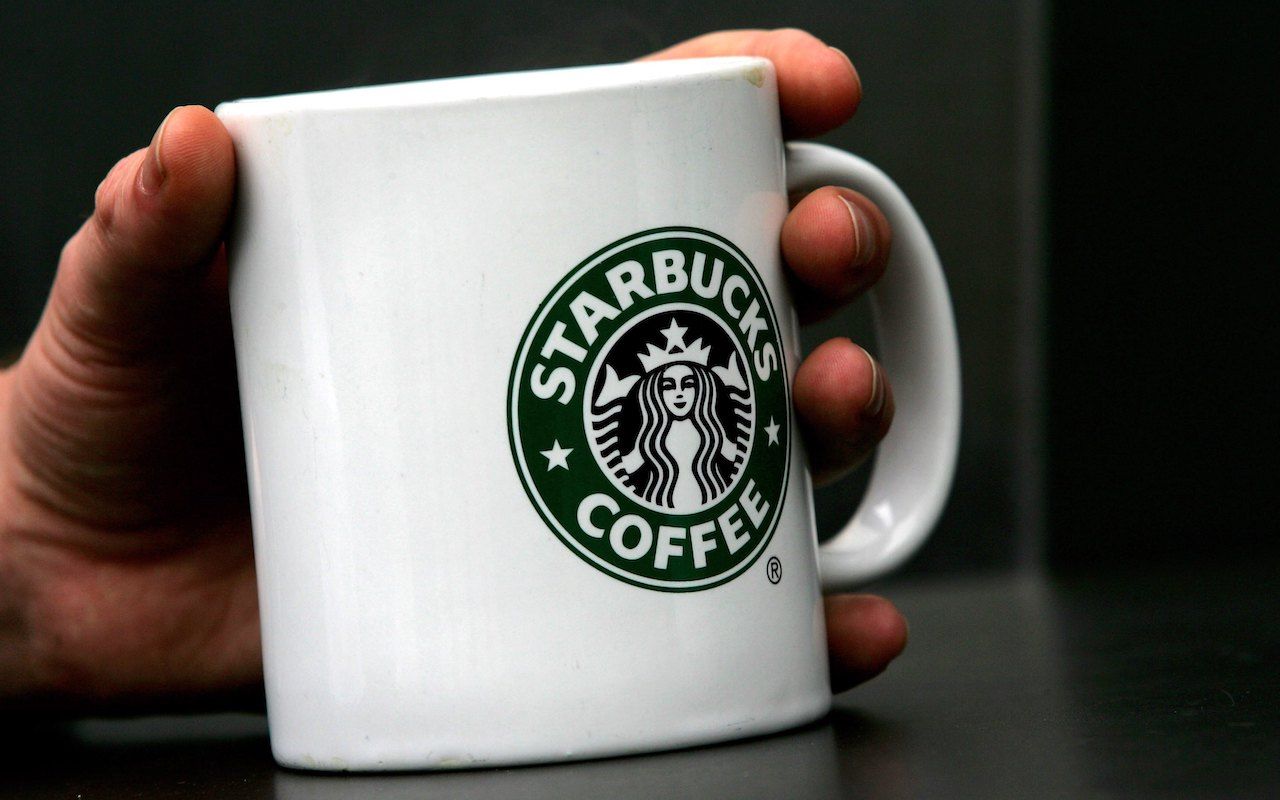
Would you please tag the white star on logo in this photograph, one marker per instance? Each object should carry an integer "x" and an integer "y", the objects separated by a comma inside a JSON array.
[
  {"x": 557, "y": 456},
  {"x": 772, "y": 430},
  {"x": 675, "y": 335}
]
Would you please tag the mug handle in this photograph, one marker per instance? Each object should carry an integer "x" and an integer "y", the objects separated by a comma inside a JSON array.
[{"x": 916, "y": 332}]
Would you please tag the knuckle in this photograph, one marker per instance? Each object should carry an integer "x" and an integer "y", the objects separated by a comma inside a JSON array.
[
  {"x": 104, "y": 201},
  {"x": 782, "y": 41},
  {"x": 791, "y": 35},
  {"x": 112, "y": 191}
]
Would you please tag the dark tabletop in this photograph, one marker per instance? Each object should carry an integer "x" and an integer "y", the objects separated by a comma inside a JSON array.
[{"x": 1161, "y": 683}]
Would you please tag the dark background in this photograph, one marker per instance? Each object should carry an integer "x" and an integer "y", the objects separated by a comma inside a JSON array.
[
  {"x": 1094, "y": 177},
  {"x": 1162, "y": 282}
]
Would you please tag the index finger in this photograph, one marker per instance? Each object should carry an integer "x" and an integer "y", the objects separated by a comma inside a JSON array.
[{"x": 818, "y": 88}]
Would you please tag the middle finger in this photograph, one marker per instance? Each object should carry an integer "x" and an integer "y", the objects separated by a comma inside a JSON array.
[{"x": 836, "y": 243}]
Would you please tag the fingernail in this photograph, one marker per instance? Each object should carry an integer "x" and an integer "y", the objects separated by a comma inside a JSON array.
[
  {"x": 852, "y": 69},
  {"x": 875, "y": 403},
  {"x": 864, "y": 233},
  {"x": 152, "y": 174},
  {"x": 843, "y": 55}
]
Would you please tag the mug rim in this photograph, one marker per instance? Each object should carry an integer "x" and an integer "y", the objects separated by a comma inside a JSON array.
[{"x": 553, "y": 82}]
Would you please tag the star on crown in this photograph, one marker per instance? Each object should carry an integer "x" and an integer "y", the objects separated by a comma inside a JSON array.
[{"x": 675, "y": 351}]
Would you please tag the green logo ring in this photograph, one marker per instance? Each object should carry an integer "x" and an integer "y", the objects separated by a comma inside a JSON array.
[{"x": 649, "y": 411}]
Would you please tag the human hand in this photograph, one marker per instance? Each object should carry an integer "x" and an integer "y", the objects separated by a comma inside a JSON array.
[{"x": 126, "y": 568}]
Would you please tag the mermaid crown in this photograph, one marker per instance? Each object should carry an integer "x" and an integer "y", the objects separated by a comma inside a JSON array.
[{"x": 675, "y": 351}]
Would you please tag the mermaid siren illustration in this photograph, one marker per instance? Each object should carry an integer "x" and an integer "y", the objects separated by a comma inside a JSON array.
[{"x": 674, "y": 434}]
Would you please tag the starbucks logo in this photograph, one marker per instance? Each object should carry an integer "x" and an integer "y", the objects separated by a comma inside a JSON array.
[{"x": 650, "y": 412}]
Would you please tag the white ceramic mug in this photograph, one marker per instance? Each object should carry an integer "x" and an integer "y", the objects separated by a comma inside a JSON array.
[{"x": 514, "y": 354}]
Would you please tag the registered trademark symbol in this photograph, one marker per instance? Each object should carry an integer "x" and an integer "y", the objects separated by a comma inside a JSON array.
[{"x": 774, "y": 569}]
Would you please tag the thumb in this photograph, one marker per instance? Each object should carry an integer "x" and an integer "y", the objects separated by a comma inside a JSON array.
[{"x": 133, "y": 271}]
